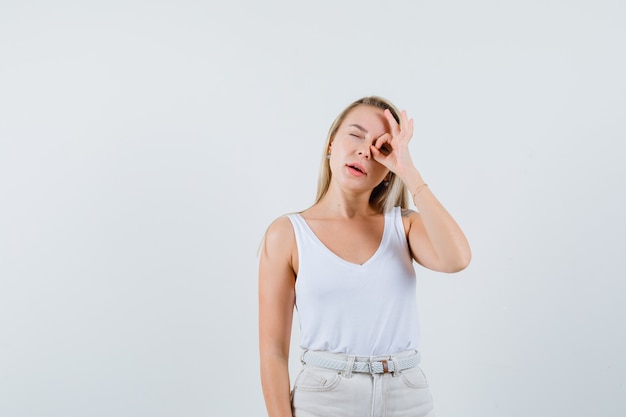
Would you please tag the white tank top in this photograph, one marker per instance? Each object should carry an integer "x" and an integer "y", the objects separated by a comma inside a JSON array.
[{"x": 363, "y": 310}]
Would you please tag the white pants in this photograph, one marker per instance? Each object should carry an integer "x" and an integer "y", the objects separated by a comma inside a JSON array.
[{"x": 321, "y": 392}]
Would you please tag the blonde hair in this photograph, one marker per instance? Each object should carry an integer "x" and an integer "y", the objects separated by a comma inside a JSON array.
[{"x": 383, "y": 198}]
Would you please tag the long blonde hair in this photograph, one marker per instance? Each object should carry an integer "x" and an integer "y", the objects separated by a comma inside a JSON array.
[{"x": 383, "y": 197}]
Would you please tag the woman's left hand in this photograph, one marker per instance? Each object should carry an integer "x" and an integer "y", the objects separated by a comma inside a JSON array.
[{"x": 392, "y": 149}]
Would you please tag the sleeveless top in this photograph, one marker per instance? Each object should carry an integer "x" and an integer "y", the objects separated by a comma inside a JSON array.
[{"x": 363, "y": 310}]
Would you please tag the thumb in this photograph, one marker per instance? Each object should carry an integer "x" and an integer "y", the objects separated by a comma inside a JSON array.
[
  {"x": 376, "y": 154},
  {"x": 379, "y": 156}
]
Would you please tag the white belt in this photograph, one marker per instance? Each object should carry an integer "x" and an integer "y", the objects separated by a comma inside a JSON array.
[{"x": 378, "y": 366}]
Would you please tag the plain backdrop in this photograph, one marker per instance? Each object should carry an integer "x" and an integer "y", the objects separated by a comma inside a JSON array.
[{"x": 146, "y": 145}]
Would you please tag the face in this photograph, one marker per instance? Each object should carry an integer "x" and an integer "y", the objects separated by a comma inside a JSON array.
[{"x": 351, "y": 160}]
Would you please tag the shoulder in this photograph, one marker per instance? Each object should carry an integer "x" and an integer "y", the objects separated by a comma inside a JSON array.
[
  {"x": 278, "y": 254},
  {"x": 407, "y": 213},
  {"x": 279, "y": 236},
  {"x": 408, "y": 217},
  {"x": 280, "y": 228}
]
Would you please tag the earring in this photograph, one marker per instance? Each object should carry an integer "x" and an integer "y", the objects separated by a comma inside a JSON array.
[
  {"x": 386, "y": 183},
  {"x": 328, "y": 156}
]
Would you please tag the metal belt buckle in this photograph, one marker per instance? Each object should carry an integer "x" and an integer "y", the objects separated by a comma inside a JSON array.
[{"x": 385, "y": 366}]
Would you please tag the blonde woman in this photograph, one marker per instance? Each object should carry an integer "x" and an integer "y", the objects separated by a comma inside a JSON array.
[{"x": 346, "y": 264}]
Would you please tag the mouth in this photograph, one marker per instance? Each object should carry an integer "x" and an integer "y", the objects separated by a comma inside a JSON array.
[{"x": 357, "y": 169}]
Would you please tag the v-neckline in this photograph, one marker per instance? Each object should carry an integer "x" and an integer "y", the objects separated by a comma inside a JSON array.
[{"x": 339, "y": 258}]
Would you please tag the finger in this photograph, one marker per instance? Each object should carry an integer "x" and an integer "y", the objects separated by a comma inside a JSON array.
[
  {"x": 406, "y": 127},
  {"x": 408, "y": 130},
  {"x": 393, "y": 124},
  {"x": 403, "y": 118},
  {"x": 378, "y": 156},
  {"x": 407, "y": 124},
  {"x": 383, "y": 144},
  {"x": 384, "y": 138}
]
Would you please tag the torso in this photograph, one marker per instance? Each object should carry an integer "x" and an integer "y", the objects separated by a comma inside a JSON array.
[
  {"x": 354, "y": 240},
  {"x": 346, "y": 261}
]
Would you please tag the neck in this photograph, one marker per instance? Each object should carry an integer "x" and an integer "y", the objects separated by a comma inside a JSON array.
[{"x": 346, "y": 204}]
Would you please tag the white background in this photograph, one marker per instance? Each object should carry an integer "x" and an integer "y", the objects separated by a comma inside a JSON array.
[{"x": 146, "y": 145}]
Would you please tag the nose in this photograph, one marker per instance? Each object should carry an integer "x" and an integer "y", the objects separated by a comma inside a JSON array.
[{"x": 364, "y": 152}]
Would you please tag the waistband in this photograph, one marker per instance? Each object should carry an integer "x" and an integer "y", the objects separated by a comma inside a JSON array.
[{"x": 360, "y": 364}]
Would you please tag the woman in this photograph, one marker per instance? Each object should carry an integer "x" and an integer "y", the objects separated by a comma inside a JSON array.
[{"x": 346, "y": 264}]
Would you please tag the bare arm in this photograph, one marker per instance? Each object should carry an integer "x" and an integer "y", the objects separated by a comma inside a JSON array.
[
  {"x": 436, "y": 240},
  {"x": 276, "y": 303}
]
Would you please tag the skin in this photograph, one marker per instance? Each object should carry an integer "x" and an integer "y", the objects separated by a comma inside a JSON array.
[{"x": 344, "y": 221}]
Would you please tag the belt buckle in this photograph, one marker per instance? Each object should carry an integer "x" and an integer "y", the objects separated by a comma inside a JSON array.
[
  {"x": 384, "y": 363},
  {"x": 385, "y": 366}
]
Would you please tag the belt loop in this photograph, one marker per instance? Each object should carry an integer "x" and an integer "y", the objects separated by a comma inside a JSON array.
[
  {"x": 304, "y": 351},
  {"x": 349, "y": 366},
  {"x": 396, "y": 366}
]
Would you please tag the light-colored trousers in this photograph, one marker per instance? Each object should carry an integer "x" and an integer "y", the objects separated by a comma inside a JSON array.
[{"x": 321, "y": 392}]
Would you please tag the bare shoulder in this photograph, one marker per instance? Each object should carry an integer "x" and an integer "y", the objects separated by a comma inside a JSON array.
[
  {"x": 278, "y": 261},
  {"x": 408, "y": 217},
  {"x": 279, "y": 238},
  {"x": 408, "y": 212},
  {"x": 280, "y": 228}
]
